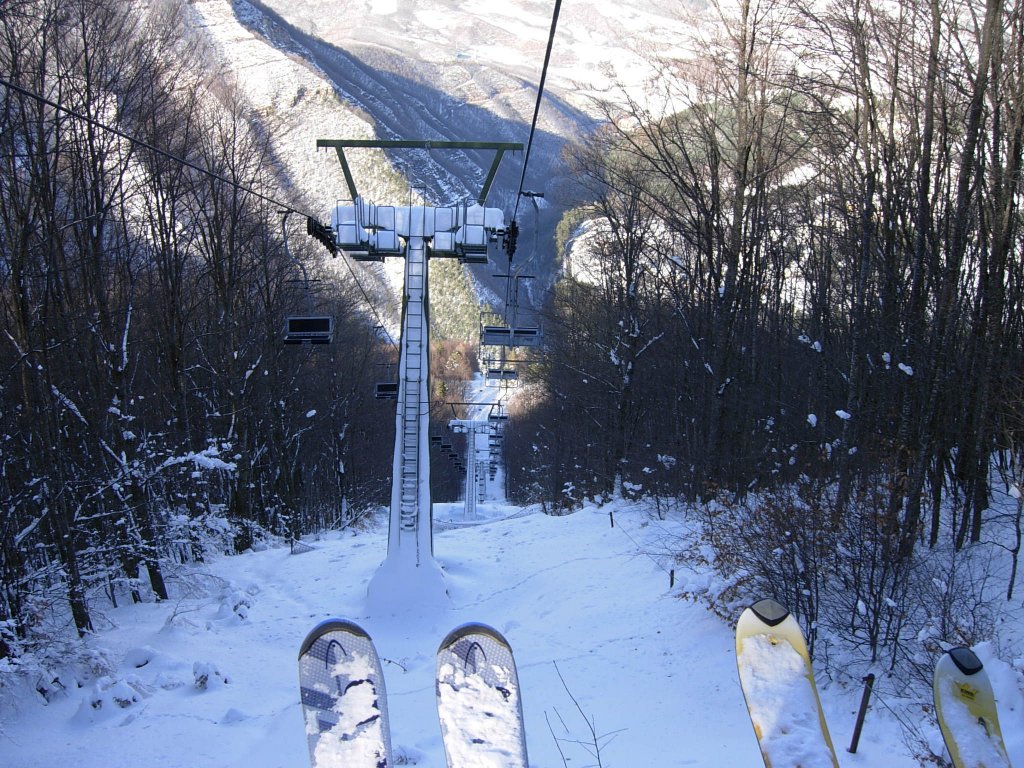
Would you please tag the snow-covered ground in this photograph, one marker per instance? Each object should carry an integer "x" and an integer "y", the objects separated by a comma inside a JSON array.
[{"x": 655, "y": 675}]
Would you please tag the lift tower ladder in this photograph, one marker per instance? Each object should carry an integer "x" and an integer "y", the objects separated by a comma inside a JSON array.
[{"x": 460, "y": 231}]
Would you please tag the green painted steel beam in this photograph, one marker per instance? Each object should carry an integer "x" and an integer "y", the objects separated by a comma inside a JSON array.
[{"x": 339, "y": 145}]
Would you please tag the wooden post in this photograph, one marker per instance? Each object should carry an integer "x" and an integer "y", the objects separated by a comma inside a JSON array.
[{"x": 868, "y": 682}]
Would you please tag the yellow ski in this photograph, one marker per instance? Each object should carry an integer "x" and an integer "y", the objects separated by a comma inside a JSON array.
[
  {"x": 966, "y": 709},
  {"x": 778, "y": 686}
]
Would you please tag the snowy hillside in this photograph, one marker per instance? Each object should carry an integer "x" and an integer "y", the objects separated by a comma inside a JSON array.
[
  {"x": 654, "y": 674},
  {"x": 468, "y": 71}
]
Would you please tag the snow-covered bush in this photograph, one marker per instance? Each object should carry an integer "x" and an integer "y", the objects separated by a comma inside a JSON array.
[
  {"x": 208, "y": 676},
  {"x": 836, "y": 567}
]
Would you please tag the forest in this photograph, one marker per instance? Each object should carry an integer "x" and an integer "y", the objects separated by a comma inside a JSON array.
[
  {"x": 152, "y": 415},
  {"x": 791, "y": 299}
]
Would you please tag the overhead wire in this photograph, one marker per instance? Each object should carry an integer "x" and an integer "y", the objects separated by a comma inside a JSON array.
[
  {"x": 509, "y": 295},
  {"x": 145, "y": 144},
  {"x": 135, "y": 140},
  {"x": 370, "y": 304},
  {"x": 540, "y": 96}
]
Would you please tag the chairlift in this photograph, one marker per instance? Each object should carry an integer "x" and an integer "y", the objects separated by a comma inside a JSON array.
[
  {"x": 365, "y": 231},
  {"x": 308, "y": 328},
  {"x": 502, "y": 374},
  {"x": 387, "y": 387},
  {"x": 304, "y": 329},
  {"x": 474, "y": 233},
  {"x": 510, "y": 336},
  {"x": 496, "y": 336},
  {"x": 526, "y": 336},
  {"x": 508, "y": 332}
]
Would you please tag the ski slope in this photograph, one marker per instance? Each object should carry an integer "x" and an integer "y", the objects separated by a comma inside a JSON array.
[{"x": 654, "y": 675}]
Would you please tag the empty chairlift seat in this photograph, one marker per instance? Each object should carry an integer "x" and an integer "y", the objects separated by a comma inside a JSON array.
[
  {"x": 510, "y": 336},
  {"x": 525, "y": 336},
  {"x": 386, "y": 390},
  {"x": 442, "y": 242},
  {"x": 496, "y": 336},
  {"x": 366, "y": 232},
  {"x": 309, "y": 330},
  {"x": 383, "y": 232},
  {"x": 346, "y": 222},
  {"x": 502, "y": 374}
]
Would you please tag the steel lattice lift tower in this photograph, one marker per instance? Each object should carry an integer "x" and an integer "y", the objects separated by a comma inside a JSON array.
[{"x": 370, "y": 232}]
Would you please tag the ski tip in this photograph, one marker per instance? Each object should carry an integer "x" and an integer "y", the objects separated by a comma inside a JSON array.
[
  {"x": 472, "y": 628},
  {"x": 966, "y": 660},
  {"x": 330, "y": 625},
  {"x": 770, "y": 612}
]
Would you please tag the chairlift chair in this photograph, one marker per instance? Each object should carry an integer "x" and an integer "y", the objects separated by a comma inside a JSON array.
[
  {"x": 496, "y": 336},
  {"x": 526, "y": 336},
  {"x": 510, "y": 336},
  {"x": 366, "y": 231},
  {"x": 306, "y": 329},
  {"x": 310, "y": 328},
  {"x": 502, "y": 374}
]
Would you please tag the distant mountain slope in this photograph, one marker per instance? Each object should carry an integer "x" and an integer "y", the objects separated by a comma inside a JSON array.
[
  {"x": 438, "y": 71},
  {"x": 469, "y": 71}
]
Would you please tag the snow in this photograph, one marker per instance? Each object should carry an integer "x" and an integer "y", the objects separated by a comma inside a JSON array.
[
  {"x": 844, "y": 415},
  {"x": 658, "y": 670},
  {"x": 365, "y": 741},
  {"x": 206, "y": 459},
  {"x": 492, "y": 708},
  {"x": 784, "y": 709}
]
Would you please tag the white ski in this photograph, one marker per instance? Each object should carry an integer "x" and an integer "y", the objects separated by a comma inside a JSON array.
[
  {"x": 343, "y": 698},
  {"x": 478, "y": 702}
]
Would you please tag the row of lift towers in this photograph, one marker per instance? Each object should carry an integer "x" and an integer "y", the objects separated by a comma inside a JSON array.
[{"x": 417, "y": 233}]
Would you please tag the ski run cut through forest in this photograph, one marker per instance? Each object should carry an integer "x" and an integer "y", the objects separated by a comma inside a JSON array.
[
  {"x": 616, "y": 666},
  {"x": 761, "y": 344}
]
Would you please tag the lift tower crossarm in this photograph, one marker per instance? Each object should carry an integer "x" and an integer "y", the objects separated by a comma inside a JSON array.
[{"x": 339, "y": 145}]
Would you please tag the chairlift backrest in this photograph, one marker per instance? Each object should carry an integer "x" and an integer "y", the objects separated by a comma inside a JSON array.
[
  {"x": 309, "y": 330},
  {"x": 502, "y": 374}
]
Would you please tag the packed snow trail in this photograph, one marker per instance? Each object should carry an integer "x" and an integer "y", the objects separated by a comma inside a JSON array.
[{"x": 657, "y": 672}]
